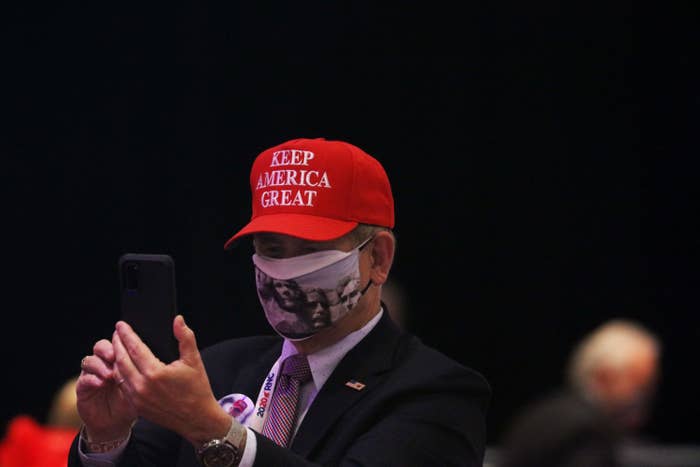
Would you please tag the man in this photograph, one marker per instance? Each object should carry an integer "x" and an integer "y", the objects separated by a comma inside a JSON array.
[
  {"x": 287, "y": 293},
  {"x": 368, "y": 393},
  {"x": 317, "y": 308},
  {"x": 612, "y": 376},
  {"x": 285, "y": 297}
]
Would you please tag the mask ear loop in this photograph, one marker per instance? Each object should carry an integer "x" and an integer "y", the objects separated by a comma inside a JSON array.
[
  {"x": 362, "y": 292},
  {"x": 359, "y": 248}
]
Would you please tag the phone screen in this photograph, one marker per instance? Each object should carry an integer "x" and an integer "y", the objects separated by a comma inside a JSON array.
[{"x": 149, "y": 300}]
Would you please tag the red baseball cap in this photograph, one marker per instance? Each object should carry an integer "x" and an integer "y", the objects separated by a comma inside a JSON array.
[{"x": 318, "y": 190}]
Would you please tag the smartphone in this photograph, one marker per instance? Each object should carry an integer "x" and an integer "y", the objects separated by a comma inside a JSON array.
[{"x": 149, "y": 300}]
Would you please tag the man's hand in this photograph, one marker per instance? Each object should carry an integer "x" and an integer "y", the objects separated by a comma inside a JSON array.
[
  {"x": 176, "y": 396},
  {"x": 103, "y": 407}
]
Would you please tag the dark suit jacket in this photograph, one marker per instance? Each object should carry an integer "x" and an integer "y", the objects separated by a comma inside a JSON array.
[
  {"x": 559, "y": 430},
  {"x": 418, "y": 408}
]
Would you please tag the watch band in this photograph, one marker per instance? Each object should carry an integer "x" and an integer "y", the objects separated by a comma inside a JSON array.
[
  {"x": 236, "y": 436},
  {"x": 226, "y": 451}
]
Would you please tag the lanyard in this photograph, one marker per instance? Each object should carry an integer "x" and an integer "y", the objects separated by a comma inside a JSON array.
[{"x": 257, "y": 419}]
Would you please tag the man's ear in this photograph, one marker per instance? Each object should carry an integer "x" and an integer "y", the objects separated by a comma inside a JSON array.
[{"x": 382, "y": 256}]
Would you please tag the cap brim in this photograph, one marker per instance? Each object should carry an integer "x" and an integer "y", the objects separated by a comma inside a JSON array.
[{"x": 313, "y": 228}]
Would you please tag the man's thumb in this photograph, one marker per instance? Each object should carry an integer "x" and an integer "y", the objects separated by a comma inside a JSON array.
[{"x": 187, "y": 342}]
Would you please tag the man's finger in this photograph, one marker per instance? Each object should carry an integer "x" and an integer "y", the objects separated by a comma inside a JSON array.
[
  {"x": 124, "y": 366},
  {"x": 187, "y": 342},
  {"x": 141, "y": 356},
  {"x": 93, "y": 364},
  {"x": 87, "y": 383},
  {"x": 103, "y": 349}
]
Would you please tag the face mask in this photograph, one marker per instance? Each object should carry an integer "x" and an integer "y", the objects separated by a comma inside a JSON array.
[{"x": 304, "y": 294}]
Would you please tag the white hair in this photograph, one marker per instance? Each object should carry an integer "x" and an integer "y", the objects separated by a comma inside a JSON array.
[{"x": 614, "y": 344}]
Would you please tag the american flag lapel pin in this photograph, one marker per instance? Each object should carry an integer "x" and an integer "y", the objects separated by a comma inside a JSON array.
[{"x": 356, "y": 385}]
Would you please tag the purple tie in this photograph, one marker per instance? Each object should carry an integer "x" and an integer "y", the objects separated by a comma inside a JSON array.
[{"x": 283, "y": 408}]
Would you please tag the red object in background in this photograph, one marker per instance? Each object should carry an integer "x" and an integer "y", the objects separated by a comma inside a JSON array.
[{"x": 29, "y": 444}]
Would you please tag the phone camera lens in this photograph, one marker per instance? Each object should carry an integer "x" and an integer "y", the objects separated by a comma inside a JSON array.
[{"x": 132, "y": 276}]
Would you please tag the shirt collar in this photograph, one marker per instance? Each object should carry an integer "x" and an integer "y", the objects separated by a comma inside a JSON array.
[{"x": 323, "y": 362}]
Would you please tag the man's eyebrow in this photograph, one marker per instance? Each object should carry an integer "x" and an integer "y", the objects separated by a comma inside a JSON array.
[
  {"x": 267, "y": 242},
  {"x": 265, "y": 237}
]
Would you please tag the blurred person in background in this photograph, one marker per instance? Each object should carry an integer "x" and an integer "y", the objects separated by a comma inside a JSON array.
[
  {"x": 30, "y": 443},
  {"x": 612, "y": 377},
  {"x": 394, "y": 296}
]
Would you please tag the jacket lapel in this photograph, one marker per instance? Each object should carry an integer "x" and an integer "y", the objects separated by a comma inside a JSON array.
[
  {"x": 365, "y": 364},
  {"x": 250, "y": 377}
]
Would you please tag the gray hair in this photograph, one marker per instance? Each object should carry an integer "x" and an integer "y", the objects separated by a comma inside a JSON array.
[
  {"x": 613, "y": 344},
  {"x": 364, "y": 231}
]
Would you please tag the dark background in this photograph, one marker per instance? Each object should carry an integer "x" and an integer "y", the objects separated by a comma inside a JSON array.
[{"x": 542, "y": 162}]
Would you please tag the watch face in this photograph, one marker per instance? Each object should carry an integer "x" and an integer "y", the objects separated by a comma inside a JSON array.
[{"x": 219, "y": 455}]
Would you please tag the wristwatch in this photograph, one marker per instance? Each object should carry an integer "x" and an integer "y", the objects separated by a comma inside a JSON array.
[{"x": 226, "y": 451}]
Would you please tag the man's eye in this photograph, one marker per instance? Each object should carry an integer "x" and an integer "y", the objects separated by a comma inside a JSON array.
[{"x": 270, "y": 252}]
